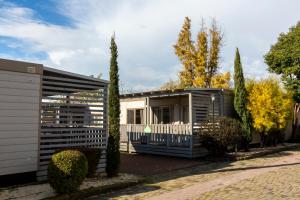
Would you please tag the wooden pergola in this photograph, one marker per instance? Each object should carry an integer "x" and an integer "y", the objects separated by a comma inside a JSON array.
[
  {"x": 44, "y": 110},
  {"x": 73, "y": 114}
]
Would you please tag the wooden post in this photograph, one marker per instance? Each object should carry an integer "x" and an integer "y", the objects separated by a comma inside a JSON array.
[
  {"x": 148, "y": 111},
  {"x": 168, "y": 135},
  {"x": 128, "y": 138},
  {"x": 191, "y": 120}
]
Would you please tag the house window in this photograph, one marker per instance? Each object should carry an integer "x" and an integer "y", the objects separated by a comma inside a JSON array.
[
  {"x": 166, "y": 115},
  {"x": 185, "y": 114},
  {"x": 130, "y": 116},
  {"x": 161, "y": 115},
  {"x": 138, "y": 116},
  {"x": 156, "y": 115},
  {"x": 135, "y": 116}
]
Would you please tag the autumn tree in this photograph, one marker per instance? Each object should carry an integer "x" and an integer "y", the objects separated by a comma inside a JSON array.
[
  {"x": 269, "y": 105},
  {"x": 113, "y": 143},
  {"x": 284, "y": 59},
  {"x": 185, "y": 50},
  {"x": 221, "y": 80},
  {"x": 241, "y": 100},
  {"x": 171, "y": 85},
  {"x": 200, "y": 59}
]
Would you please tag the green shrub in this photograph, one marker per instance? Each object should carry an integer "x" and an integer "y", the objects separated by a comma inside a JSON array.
[
  {"x": 67, "y": 170},
  {"x": 220, "y": 135},
  {"x": 93, "y": 156}
]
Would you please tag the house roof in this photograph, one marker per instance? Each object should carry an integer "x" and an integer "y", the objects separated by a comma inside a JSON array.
[
  {"x": 35, "y": 68},
  {"x": 73, "y": 75},
  {"x": 161, "y": 93}
]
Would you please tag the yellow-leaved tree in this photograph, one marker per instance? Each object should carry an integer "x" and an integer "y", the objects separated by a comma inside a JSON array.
[
  {"x": 221, "y": 80},
  {"x": 200, "y": 59},
  {"x": 270, "y": 106}
]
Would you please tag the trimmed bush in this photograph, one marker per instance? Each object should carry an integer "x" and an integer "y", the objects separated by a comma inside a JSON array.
[
  {"x": 93, "y": 156},
  {"x": 67, "y": 170}
]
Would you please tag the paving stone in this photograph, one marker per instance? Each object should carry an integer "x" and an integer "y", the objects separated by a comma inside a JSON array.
[{"x": 264, "y": 186}]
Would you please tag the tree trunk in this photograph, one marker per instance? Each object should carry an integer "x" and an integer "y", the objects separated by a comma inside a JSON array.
[{"x": 295, "y": 120}]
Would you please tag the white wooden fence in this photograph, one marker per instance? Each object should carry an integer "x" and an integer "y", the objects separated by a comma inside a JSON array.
[{"x": 163, "y": 139}]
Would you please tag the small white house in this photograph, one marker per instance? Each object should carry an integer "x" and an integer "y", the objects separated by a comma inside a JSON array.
[{"x": 166, "y": 122}]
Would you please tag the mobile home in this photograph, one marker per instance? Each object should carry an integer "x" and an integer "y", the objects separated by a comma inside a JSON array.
[{"x": 167, "y": 122}]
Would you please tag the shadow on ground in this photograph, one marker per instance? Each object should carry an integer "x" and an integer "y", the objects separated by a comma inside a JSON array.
[{"x": 161, "y": 168}]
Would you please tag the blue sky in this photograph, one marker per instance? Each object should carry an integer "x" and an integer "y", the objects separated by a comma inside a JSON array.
[{"x": 74, "y": 35}]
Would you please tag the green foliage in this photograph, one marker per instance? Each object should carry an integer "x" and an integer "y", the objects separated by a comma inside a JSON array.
[
  {"x": 284, "y": 59},
  {"x": 67, "y": 170},
  {"x": 113, "y": 152},
  {"x": 221, "y": 134},
  {"x": 92, "y": 155},
  {"x": 241, "y": 98}
]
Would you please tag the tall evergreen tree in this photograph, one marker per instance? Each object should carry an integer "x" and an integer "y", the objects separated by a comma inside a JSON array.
[
  {"x": 241, "y": 99},
  {"x": 113, "y": 152}
]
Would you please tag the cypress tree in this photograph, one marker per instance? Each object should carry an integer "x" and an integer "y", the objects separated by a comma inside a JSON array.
[
  {"x": 241, "y": 100},
  {"x": 113, "y": 152}
]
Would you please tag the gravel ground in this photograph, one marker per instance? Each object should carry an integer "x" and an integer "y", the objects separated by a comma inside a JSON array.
[{"x": 41, "y": 191}]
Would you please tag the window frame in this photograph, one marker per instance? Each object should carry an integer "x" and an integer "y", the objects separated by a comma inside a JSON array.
[
  {"x": 159, "y": 118},
  {"x": 142, "y": 117}
]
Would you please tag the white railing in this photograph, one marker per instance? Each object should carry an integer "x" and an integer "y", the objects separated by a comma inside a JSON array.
[{"x": 169, "y": 135}]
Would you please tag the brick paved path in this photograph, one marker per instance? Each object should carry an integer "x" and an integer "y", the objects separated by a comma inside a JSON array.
[
  {"x": 201, "y": 188},
  {"x": 275, "y": 176}
]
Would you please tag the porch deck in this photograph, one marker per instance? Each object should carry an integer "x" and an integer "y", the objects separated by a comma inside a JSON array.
[{"x": 162, "y": 139}]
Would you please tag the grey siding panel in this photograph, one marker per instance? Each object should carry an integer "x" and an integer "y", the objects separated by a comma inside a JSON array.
[
  {"x": 19, "y": 118},
  {"x": 17, "y": 85},
  {"x": 19, "y": 77},
  {"x": 18, "y": 141},
  {"x": 203, "y": 108},
  {"x": 228, "y": 104},
  {"x": 16, "y": 155},
  {"x": 18, "y": 162},
  {"x": 18, "y": 106},
  {"x": 16, "y": 113},
  {"x": 18, "y": 169},
  {"x": 15, "y": 99},
  {"x": 20, "y": 127},
  {"x": 15, "y": 134},
  {"x": 19, "y": 92},
  {"x": 19, "y": 147}
]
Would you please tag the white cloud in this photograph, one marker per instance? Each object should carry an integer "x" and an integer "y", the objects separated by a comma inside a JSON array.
[{"x": 145, "y": 32}]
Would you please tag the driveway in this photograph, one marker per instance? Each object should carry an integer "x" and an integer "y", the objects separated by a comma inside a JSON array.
[
  {"x": 145, "y": 164},
  {"x": 276, "y": 176}
]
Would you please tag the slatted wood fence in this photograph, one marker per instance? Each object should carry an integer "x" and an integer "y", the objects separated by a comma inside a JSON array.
[{"x": 73, "y": 114}]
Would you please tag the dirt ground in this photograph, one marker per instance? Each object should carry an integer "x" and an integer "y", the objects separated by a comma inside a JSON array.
[{"x": 144, "y": 164}]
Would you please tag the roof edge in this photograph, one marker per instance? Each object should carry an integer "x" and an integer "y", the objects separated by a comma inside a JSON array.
[
  {"x": 74, "y": 74},
  {"x": 164, "y": 92}
]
